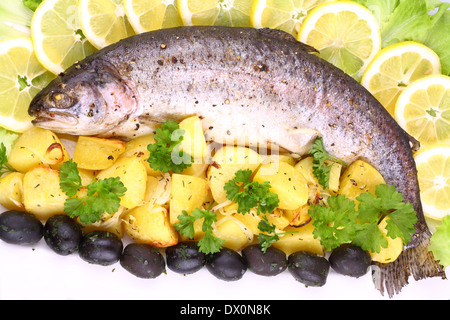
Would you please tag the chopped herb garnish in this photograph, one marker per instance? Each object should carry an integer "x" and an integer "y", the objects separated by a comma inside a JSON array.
[
  {"x": 102, "y": 195},
  {"x": 165, "y": 153}
]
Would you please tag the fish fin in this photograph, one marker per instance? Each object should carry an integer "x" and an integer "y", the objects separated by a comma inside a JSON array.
[
  {"x": 415, "y": 144},
  {"x": 416, "y": 261},
  {"x": 280, "y": 34}
]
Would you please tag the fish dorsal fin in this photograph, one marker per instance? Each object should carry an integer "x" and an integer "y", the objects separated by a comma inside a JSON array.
[{"x": 280, "y": 34}]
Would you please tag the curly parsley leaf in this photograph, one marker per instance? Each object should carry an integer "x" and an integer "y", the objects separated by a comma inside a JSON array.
[
  {"x": 336, "y": 223},
  {"x": 268, "y": 234},
  {"x": 165, "y": 153},
  {"x": 101, "y": 195},
  {"x": 248, "y": 194},
  {"x": 339, "y": 222},
  {"x": 70, "y": 180},
  {"x": 209, "y": 243},
  {"x": 322, "y": 163}
]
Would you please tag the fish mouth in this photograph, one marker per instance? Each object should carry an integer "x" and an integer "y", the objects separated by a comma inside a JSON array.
[{"x": 55, "y": 120}]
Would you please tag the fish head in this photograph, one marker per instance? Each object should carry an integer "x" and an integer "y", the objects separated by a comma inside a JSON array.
[{"x": 83, "y": 102}]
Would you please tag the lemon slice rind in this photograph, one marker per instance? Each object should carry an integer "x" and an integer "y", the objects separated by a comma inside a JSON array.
[
  {"x": 434, "y": 180},
  {"x": 358, "y": 42}
]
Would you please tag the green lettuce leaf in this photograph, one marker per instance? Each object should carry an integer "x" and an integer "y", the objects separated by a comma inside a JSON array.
[
  {"x": 440, "y": 242},
  {"x": 8, "y": 138},
  {"x": 438, "y": 39},
  {"x": 15, "y": 19}
]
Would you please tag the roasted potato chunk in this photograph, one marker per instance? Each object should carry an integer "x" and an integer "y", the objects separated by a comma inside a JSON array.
[
  {"x": 138, "y": 148},
  {"x": 226, "y": 162},
  {"x": 94, "y": 153},
  {"x": 392, "y": 251},
  {"x": 11, "y": 191},
  {"x": 187, "y": 193},
  {"x": 42, "y": 195},
  {"x": 359, "y": 177},
  {"x": 150, "y": 224},
  {"x": 133, "y": 175},
  {"x": 235, "y": 234},
  {"x": 305, "y": 167},
  {"x": 301, "y": 240},
  {"x": 37, "y": 147},
  {"x": 288, "y": 183}
]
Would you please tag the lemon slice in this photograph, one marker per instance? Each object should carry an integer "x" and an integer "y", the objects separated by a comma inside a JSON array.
[
  {"x": 345, "y": 33},
  {"x": 104, "y": 22},
  {"x": 284, "y": 15},
  {"x": 21, "y": 78},
  {"x": 423, "y": 110},
  {"x": 233, "y": 13},
  {"x": 396, "y": 66},
  {"x": 148, "y": 15},
  {"x": 433, "y": 172},
  {"x": 58, "y": 41}
]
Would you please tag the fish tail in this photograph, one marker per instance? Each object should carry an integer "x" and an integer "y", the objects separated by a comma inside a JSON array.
[{"x": 417, "y": 261}]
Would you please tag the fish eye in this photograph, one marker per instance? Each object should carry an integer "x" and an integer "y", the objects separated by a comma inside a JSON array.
[
  {"x": 57, "y": 96},
  {"x": 60, "y": 99}
]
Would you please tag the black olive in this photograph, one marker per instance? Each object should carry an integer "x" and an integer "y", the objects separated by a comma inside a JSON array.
[
  {"x": 350, "y": 260},
  {"x": 227, "y": 265},
  {"x": 143, "y": 261},
  {"x": 308, "y": 268},
  {"x": 19, "y": 227},
  {"x": 62, "y": 234},
  {"x": 269, "y": 263},
  {"x": 185, "y": 257},
  {"x": 101, "y": 247}
]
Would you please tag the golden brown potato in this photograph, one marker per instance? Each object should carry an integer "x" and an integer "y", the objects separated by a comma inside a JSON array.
[
  {"x": 187, "y": 193},
  {"x": 42, "y": 195},
  {"x": 36, "y": 147},
  {"x": 359, "y": 177},
  {"x": 299, "y": 216},
  {"x": 194, "y": 141},
  {"x": 305, "y": 167},
  {"x": 133, "y": 175},
  {"x": 288, "y": 183},
  {"x": 138, "y": 148},
  {"x": 302, "y": 239},
  {"x": 393, "y": 250},
  {"x": 150, "y": 224},
  {"x": 235, "y": 234},
  {"x": 109, "y": 222},
  {"x": 94, "y": 153},
  {"x": 11, "y": 191},
  {"x": 226, "y": 162}
]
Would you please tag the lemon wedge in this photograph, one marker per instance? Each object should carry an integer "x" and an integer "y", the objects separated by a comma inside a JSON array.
[
  {"x": 345, "y": 33},
  {"x": 433, "y": 172},
  {"x": 21, "y": 78},
  {"x": 423, "y": 110},
  {"x": 396, "y": 66},
  {"x": 58, "y": 40},
  {"x": 232, "y": 13},
  {"x": 284, "y": 15},
  {"x": 148, "y": 15},
  {"x": 104, "y": 22}
]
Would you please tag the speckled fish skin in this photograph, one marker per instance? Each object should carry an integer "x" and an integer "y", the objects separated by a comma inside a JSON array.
[{"x": 251, "y": 87}]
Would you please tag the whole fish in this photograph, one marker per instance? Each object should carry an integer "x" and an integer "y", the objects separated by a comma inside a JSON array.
[{"x": 250, "y": 87}]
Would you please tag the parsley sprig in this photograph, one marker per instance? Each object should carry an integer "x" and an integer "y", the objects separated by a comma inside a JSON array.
[
  {"x": 340, "y": 222},
  {"x": 248, "y": 194},
  {"x": 102, "y": 195},
  {"x": 165, "y": 154},
  {"x": 209, "y": 243},
  {"x": 322, "y": 163}
]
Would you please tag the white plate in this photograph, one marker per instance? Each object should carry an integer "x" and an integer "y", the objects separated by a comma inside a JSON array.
[{"x": 36, "y": 272}]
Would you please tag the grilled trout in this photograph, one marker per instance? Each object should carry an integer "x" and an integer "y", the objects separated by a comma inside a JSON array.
[{"x": 250, "y": 87}]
